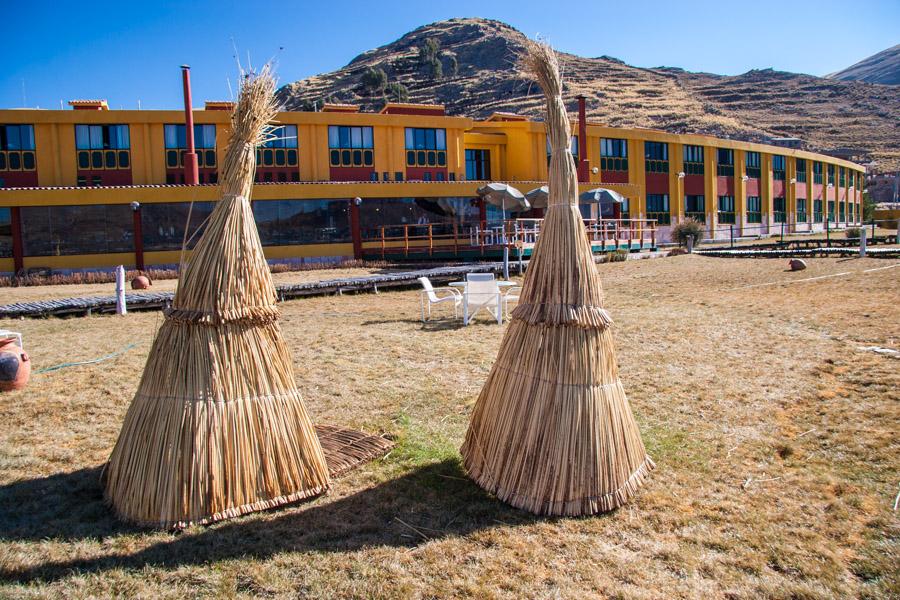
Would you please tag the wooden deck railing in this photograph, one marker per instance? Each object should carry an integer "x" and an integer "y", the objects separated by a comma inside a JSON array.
[{"x": 514, "y": 233}]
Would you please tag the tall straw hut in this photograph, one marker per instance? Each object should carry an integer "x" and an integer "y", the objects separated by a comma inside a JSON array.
[
  {"x": 552, "y": 431},
  {"x": 217, "y": 427}
]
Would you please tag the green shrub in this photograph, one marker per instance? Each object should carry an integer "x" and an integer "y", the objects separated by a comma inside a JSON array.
[
  {"x": 687, "y": 228},
  {"x": 618, "y": 255},
  {"x": 852, "y": 232}
]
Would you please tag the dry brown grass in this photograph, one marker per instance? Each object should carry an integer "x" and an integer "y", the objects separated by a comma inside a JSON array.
[{"x": 775, "y": 440}]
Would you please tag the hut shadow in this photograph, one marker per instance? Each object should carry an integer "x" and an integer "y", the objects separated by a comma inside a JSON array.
[
  {"x": 435, "y": 324},
  {"x": 430, "y": 502}
]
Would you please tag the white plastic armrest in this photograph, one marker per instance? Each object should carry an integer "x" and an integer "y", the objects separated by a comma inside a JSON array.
[{"x": 453, "y": 290}]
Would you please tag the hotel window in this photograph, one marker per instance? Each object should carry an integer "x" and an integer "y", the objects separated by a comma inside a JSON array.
[
  {"x": 724, "y": 162},
  {"x": 754, "y": 209},
  {"x": 573, "y": 148},
  {"x": 778, "y": 163},
  {"x": 280, "y": 150},
  {"x": 817, "y": 211},
  {"x": 831, "y": 174},
  {"x": 779, "y": 209},
  {"x": 693, "y": 160},
  {"x": 817, "y": 172},
  {"x": 350, "y": 146},
  {"x": 801, "y": 210},
  {"x": 752, "y": 162},
  {"x": 656, "y": 157},
  {"x": 801, "y": 170},
  {"x": 478, "y": 165},
  {"x": 613, "y": 154},
  {"x": 658, "y": 208},
  {"x": 842, "y": 177},
  {"x": 841, "y": 211},
  {"x": 426, "y": 147},
  {"x": 102, "y": 147},
  {"x": 831, "y": 211},
  {"x": 6, "y": 245},
  {"x": 204, "y": 144},
  {"x": 695, "y": 207},
  {"x": 17, "y": 148},
  {"x": 726, "y": 210}
]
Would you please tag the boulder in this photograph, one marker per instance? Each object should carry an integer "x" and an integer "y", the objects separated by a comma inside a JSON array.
[{"x": 797, "y": 264}]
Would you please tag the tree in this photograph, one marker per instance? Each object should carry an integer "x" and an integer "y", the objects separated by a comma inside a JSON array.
[
  {"x": 454, "y": 65},
  {"x": 398, "y": 92},
  {"x": 375, "y": 80},
  {"x": 429, "y": 51},
  {"x": 868, "y": 207},
  {"x": 437, "y": 69}
]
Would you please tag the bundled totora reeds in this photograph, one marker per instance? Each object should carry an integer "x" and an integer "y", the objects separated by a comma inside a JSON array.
[
  {"x": 552, "y": 431},
  {"x": 217, "y": 427}
]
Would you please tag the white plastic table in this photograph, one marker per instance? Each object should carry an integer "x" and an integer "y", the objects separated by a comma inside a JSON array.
[{"x": 500, "y": 283}]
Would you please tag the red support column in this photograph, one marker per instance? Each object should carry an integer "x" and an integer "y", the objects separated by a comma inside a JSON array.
[
  {"x": 355, "y": 231},
  {"x": 138, "y": 232},
  {"x": 17, "y": 246},
  {"x": 191, "y": 168},
  {"x": 583, "y": 164}
]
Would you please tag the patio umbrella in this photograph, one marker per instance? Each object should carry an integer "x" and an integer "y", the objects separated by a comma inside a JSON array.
[
  {"x": 604, "y": 198},
  {"x": 217, "y": 427},
  {"x": 538, "y": 197},
  {"x": 552, "y": 431},
  {"x": 505, "y": 196}
]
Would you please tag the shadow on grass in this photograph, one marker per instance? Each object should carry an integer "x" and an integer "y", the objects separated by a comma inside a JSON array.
[
  {"x": 429, "y": 502},
  {"x": 437, "y": 324}
]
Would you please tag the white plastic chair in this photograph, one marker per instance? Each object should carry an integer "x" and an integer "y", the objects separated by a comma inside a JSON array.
[
  {"x": 511, "y": 295},
  {"x": 482, "y": 291},
  {"x": 428, "y": 296}
]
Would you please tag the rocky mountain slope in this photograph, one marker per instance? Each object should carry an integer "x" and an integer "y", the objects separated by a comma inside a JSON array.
[
  {"x": 469, "y": 66},
  {"x": 883, "y": 67}
]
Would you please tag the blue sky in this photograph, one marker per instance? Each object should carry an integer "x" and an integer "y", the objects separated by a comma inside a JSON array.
[{"x": 128, "y": 52}]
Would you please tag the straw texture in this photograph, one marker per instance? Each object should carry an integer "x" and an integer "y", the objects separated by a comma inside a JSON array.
[
  {"x": 217, "y": 427},
  {"x": 552, "y": 431}
]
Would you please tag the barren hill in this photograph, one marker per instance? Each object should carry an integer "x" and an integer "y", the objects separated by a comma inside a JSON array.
[
  {"x": 883, "y": 67},
  {"x": 468, "y": 65}
]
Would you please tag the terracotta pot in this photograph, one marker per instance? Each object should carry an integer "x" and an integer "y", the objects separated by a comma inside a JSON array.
[
  {"x": 141, "y": 282},
  {"x": 15, "y": 367}
]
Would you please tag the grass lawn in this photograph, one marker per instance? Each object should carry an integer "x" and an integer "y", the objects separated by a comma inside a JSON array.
[{"x": 775, "y": 438}]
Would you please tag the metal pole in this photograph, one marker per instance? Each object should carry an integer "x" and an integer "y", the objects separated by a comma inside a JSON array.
[
  {"x": 862, "y": 242},
  {"x": 731, "y": 234},
  {"x": 506, "y": 262},
  {"x": 827, "y": 232},
  {"x": 782, "y": 231},
  {"x": 191, "y": 169}
]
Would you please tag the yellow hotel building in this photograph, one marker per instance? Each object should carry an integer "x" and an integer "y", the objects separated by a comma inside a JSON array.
[{"x": 93, "y": 188}]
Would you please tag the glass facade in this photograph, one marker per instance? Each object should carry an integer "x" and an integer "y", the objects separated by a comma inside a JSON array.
[
  {"x": 801, "y": 170},
  {"x": 163, "y": 224},
  {"x": 817, "y": 172},
  {"x": 90, "y": 229},
  {"x": 778, "y": 167},
  {"x": 296, "y": 222},
  {"x": 176, "y": 146},
  {"x": 779, "y": 210},
  {"x": 279, "y": 150},
  {"x": 801, "y": 210},
  {"x": 658, "y": 208},
  {"x": 442, "y": 213}
]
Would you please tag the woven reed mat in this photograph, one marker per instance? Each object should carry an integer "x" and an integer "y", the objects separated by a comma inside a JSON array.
[{"x": 346, "y": 449}]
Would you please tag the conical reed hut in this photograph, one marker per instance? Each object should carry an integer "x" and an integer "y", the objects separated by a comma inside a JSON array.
[
  {"x": 552, "y": 431},
  {"x": 217, "y": 427}
]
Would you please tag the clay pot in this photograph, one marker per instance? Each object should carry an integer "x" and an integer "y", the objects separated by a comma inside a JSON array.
[
  {"x": 15, "y": 367},
  {"x": 141, "y": 282},
  {"x": 797, "y": 264}
]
